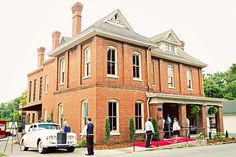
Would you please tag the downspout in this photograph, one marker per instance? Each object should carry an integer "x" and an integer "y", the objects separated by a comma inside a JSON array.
[{"x": 148, "y": 72}]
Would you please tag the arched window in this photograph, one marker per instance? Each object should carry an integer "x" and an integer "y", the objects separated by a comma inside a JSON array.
[
  {"x": 33, "y": 117},
  {"x": 87, "y": 62},
  {"x": 189, "y": 79},
  {"x": 170, "y": 76},
  {"x": 137, "y": 66},
  {"x": 139, "y": 120},
  {"x": 113, "y": 115},
  {"x": 111, "y": 61},
  {"x": 62, "y": 71},
  {"x": 84, "y": 113},
  {"x": 60, "y": 114}
]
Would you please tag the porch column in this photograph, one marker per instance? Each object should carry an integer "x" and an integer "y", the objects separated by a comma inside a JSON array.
[
  {"x": 219, "y": 120},
  {"x": 203, "y": 119},
  {"x": 182, "y": 119}
]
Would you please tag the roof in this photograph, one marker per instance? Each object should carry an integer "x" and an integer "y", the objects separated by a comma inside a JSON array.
[{"x": 229, "y": 107}]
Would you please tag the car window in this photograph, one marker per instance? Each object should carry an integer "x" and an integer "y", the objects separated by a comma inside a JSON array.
[
  {"x": 31, "y": 128},
  {"x": 49, "y": 126}
]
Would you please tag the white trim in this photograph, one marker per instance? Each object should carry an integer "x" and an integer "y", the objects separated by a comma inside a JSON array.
[
  {"x": 87, "y": 62},
  {"x": 140, "y": 66},
  {"x": 170, "y": 67},
  {"x": 142, "y": 116},
  {"x": 189, "y": 71},
  {"x": 86, "y": 77},
  {"x": 115, "y": 132},
  {"x": 112, "y": 76},
  {"x": 116, "y": 62},
  {"x": 46, "y": 83},
  {"x": 137, "y": 79},
  {"x": 83, "y": 103},
  {"x": 62, "y": 71}
]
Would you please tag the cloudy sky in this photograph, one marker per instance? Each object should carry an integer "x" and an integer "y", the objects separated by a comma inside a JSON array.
[{"x": 208, "y": 28}]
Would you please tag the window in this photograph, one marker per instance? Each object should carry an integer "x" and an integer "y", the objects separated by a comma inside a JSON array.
[
  {"x": 111, "y": 61},
  {"x": 33, "y": 117},
  {"x": 62, "y": 71},
  {"x": 30, "y": 86},
  {"x": 28, "y": 118},
  {"x": 170, "y": 76},
  {"x": 153, "y": 73},
  {"x": 170, "y": 48},
  {"x": 189, "y": 79},
  {"x": 136, "y": 65},
  {"x": 113, "y": 115},
  {"x": 84, "y": 113},
  {"x": 40, "y": 88},
  {"x": 212, "y": 121},
  {"x": 60, "y": 115},
  {"x": 46, "y": 83},
  {"x": 139, "y": 116},
  {"x": 34, "y": 94},
  {"x": 87, "y": 62}
]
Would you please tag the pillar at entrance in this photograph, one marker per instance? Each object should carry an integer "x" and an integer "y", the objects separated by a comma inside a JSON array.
[
  {"x": 182, "y": 119},
  {"x": 156, "y": 112},
  {"x": 203, "y": 119},
  {"x": 219, "y": 120}
]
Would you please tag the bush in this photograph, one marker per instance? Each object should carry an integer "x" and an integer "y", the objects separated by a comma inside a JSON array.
[
  {"x": 82, "y": 144},
  {"x": 212, "y": 110},
  {"x": 200, "y": 136},
  {"x": 194, "y": 110},
  {"x": 131, "y": 129},
  {"x": 156, "y": 135},
  {"x": 219, "y": 136},
  {"x": 107, "y": 132}
]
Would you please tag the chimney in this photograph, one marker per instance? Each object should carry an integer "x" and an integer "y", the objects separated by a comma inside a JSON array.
[
  {"x": 76, "y": 18},
  {"x": 182, "y": 43},
  {"x": 41, "y": 51},
  {"x": 55, "y": 39}
]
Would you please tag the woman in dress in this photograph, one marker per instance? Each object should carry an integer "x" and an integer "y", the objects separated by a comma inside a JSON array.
[{"x": 176, "y": 129}]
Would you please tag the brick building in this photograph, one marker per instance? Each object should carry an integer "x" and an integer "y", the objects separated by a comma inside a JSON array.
[{"x": 110, "y": 71}]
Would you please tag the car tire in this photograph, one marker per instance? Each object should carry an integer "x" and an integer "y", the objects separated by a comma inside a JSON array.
[
  {"x": 41, "y": 150},
  {"x": 22, "y": 146},
  {"x": 70, "y": 149}
]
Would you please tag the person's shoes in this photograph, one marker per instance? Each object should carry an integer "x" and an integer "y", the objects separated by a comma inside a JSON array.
[{"x": 88, "y": 154}]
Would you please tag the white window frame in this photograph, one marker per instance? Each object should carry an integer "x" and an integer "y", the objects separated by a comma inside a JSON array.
[
  {"x": 170, "y": 74},
  {"x": 60, "y": 114},
  {"x": 46, "y": 83},
  {"x": 116, "y": 69},
  {"x": 62, "y": 71},
  {"x": 87, "y": 62},
  {"x": 115, "y": 132},
  {"x": 189, "y": 79},
  {"x": 168, "y": 48},
  {"x": 84, "y": 106},
  {"x": 140, "y": 67},
  {"x": 142, "y": 117}
]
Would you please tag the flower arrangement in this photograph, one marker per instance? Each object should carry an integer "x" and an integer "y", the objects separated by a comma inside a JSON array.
[
  {"x": 194, "y": 110},
  {"x": 212, "y": 110}
]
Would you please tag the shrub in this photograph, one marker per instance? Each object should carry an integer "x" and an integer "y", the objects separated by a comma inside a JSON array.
[
  {"x": 131, "y": 129},
  {"x": 194, "y": 110},
  {"x": 219, "y": 136},
  {"x": 156, "y": 136},
  {"x": 82, "y": 144},
  {"x": 200, "y": 136},
  {"x": 107, "y": 131},
  {"x": 212, "y": 110}
]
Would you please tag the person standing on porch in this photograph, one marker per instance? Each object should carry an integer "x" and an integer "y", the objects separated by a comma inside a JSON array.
[
  {"x": 188, "y": 127},
  {"x": 88, "y": 131},
  {"x": 176, "y": 129},
  {"x": 149, "y": 131},
  {"x": 168, "y": 124}
]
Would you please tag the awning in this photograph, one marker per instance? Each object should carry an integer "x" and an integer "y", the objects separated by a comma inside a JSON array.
[
  {"x": 156, "y": 98},
  {"x": 34, "y": 107}
]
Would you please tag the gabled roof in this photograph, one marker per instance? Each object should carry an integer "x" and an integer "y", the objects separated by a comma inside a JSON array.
[
  {"x": 229, "y": 107},
  {"x": 168, "y": 36},
  {"x": 65, "y": 39}
]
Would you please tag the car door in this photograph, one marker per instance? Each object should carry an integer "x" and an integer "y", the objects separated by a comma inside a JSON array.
[
  {"x": 27, "y": 137},
  {"x": 34, "y": 136}
]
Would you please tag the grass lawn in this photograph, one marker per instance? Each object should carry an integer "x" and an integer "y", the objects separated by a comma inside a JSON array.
[{"x": 1, "y": 154}]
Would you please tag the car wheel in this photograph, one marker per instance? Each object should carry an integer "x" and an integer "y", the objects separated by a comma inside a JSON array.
[
  {"x": 22, "y": 146},
  {"x": 41, "y": 150},
  {"x": 70, "y": 149}
]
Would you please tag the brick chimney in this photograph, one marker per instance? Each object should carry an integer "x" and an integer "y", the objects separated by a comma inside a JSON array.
[
  {"x": 41, "y": 51},
  {"x": 182, "y": 43},
  {"x": 55, "y": 39},
  {"x": 76, "y": 18}
]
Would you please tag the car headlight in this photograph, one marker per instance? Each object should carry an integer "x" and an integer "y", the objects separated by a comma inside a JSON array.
[
  {"x": 52, "y": 137},
  {"x": 70, "y": 137}
]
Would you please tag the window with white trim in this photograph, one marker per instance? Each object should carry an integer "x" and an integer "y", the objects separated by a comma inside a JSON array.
[
  {"x": 60, "y": 114},
  {"x": 170, "y": 48},
  {"x": 189, "y": 79},
  {"x": 40, "y": 88},
  {"x": 87, "y": 62},
  {"x": 113, "y": 115},
  {"x": 46, "y": 83},
  {"x": 30, "y": 88},
  {"x": 136, "y": 65},
  {"x": 34, "y": 92},
  {"x": 84, "y": 113},
  {"x": 62, "y": 71},
  {"x": 139, "y": 120},
  {"x": 111, "y": 61},
  {"x": 170, "y": 76}
]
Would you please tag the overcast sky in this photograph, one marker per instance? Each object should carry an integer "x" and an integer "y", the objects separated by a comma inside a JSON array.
[{"x": 208, "y": 28}]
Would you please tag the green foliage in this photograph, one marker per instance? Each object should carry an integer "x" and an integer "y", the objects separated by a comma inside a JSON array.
[
  {"x": 194, "y": 110},
  {"x": 50, "y": 118},
  {"x": 82, "y": 144},
  {"x": 221, "y": 84},
  {"x": 219, "y": 136},
  {"x": 131, "y": 129},
  {"x": 200, "y": 136},
  {"x": 212, "y": 110},
  {"x": 156, "y": 136},
  {"x": 107, "y": 132}
]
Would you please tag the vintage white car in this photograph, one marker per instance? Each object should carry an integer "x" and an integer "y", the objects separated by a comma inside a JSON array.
[{"x": 48, "y": 135}]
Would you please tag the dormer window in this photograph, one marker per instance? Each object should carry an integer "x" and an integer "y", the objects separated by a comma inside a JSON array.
[{"x": 170, "y": 48}]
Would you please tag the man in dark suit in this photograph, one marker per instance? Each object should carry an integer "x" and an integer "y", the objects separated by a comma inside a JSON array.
[{"x": 88, "y": 131}]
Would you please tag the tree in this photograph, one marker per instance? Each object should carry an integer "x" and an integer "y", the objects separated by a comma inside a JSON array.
[
  {"x": 156, "y": 135},
  {"x": 131, "y": 129},
  {"x": 107, "y": 131}
]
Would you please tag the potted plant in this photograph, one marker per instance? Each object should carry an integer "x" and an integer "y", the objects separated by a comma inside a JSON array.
[
  {"x": 212, "y": 110},
  {"x": 194, "y": 110}
]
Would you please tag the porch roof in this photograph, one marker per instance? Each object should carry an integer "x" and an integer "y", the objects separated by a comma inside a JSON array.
[
  {"x": 33, "y": 107},
  {"x": 182, "y": 99}
]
